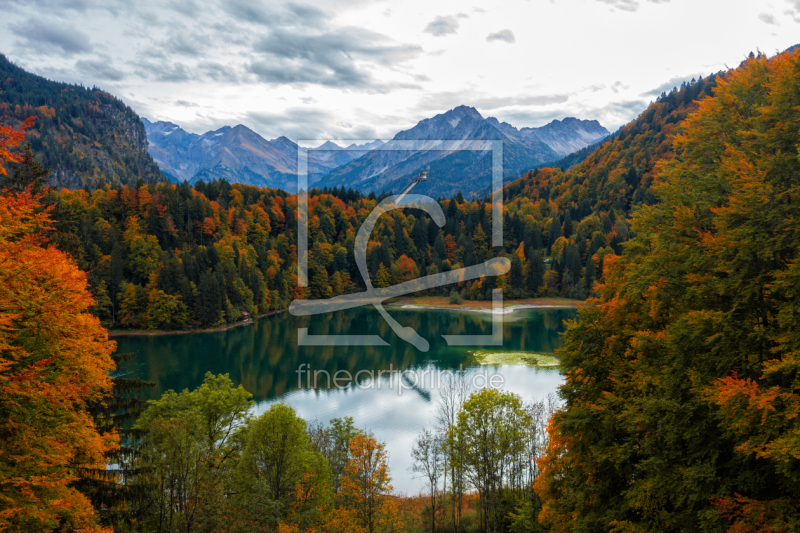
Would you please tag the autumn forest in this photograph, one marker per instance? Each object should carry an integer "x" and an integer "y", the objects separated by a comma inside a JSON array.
[{"x": 680, "y": 235}]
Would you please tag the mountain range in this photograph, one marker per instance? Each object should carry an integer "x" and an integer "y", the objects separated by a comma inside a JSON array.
[
  {"x": 239, "y": 154},
  {"x": 87, "y": 136},
  {"x": 465, "y": 171}
]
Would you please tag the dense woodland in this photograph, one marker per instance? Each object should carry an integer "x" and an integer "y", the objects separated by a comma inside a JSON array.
[
  {"x": 170, "y": 256},
  {"x": 680, "y": 408},
  {"x": 683, "y": 391}
]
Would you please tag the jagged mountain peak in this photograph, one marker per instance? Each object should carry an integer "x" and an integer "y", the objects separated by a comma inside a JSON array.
[
  {"x": 464, "y": 111},
  {"x": 284, "y": 142},
  {"x": 454, "y": 116},
  {"x": 523, "y": 149},
  {"x": 328, "y": 145}
]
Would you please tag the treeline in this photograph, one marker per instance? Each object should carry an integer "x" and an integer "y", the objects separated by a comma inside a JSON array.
[
  {"x": 165, "y": 256},
  {"x": 174, "y": 256}
]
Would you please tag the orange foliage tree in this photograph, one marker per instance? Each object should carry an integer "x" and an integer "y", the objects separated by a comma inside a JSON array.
[
  {"x": 10, "y": 139},
  {"x": 682, "y": 409},
  {"x": 54, "y": 359},
  {"x": 366, "y": 484}
]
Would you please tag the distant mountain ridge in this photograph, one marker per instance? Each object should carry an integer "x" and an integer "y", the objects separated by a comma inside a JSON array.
[
  {"x": 463, "y": 171},
  {"x": 239, "y": 155},
  {"x": 86, "y": 136}
]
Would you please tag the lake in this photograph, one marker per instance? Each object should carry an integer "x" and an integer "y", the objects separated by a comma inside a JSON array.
[{"x": 388, "y": 390}]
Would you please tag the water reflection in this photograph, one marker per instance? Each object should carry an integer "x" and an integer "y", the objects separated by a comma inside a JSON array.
[{"x": 264, "y": 357}]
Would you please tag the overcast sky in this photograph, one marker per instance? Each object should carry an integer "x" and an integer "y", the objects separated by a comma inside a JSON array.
[{"x": 367, "y": 69}]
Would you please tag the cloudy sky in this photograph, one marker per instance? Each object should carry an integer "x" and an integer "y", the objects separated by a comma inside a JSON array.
[{"x": 356, "y": 69}]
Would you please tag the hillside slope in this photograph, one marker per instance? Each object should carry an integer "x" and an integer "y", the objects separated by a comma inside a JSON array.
[
  {"x": 84, "y": 135},
  {"x": 617, "y": 175},
  {"x": 681, "y": 396}
]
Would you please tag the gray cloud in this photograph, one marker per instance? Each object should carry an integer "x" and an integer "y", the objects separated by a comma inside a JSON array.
[
  {"x": 300, "y": 123},
  {"x": 671, "y": 84},
  {"x": 794, "y": 12},
  {"x": 163, "y": 71},
  {"x": 189, "y": 41},
  {"x": 185, "y": 43},
  {"x": 218, "y": 72},
  {"x": 767, "y": 18},
  {"x": 622, "y": 5},
  {"x": 616, "y": 114},
  {"x": 99, "y": 69},
  {"x": 328, "y": 58},
  {"x": 441, "y": 26},
  {"x": 266, "y": 14},
  {"x": 617, "y": 86},
  {"x": 484, "y": 102},
  {"x": 629, "y": 5},
  {"x": 186, "y": 8},
  {"x": 48, "y": 36},
  {"x": 184, "y": 103},
  {"x": 626, "y": 106},
  {"x": 502, "y": 35},
  {"x": 53, "y": 6}
]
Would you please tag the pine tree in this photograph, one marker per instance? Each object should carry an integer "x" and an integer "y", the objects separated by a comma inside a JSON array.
[
  {"x": 109, "y": 488},
  {"x": 28, "y": 172},
  {"x": 535, "y": 274}
]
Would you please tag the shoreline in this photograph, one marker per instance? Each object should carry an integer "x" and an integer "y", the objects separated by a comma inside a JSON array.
[
  {"x": 423, "y": 302},
  {"x": 158, "y": 332}
]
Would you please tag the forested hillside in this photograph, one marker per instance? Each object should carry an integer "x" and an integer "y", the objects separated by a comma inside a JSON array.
[
  {"x": 170, "y": 256},
  {"x": 682, "y": 393},
  {"x": 85, "y": 136},
  {"x": 175, "y": 256},
  {"x": 616, "y": 177}
]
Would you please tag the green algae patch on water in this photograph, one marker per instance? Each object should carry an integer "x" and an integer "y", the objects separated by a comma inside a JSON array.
[{"x": 537, "y": 359}]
